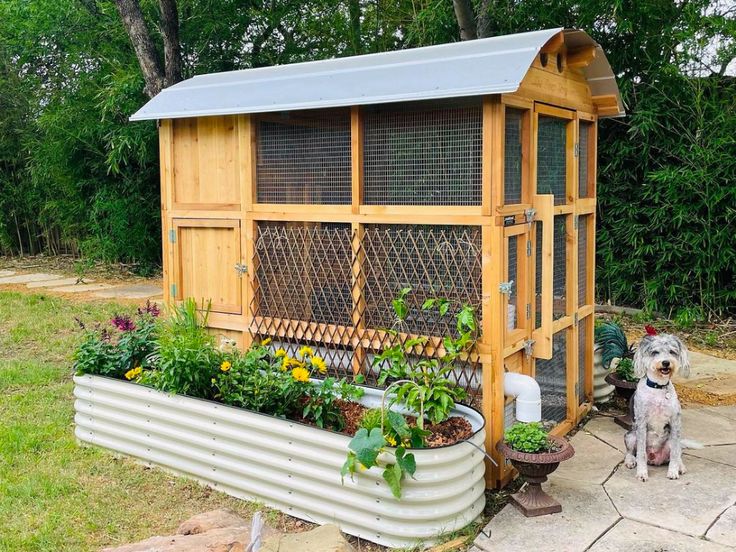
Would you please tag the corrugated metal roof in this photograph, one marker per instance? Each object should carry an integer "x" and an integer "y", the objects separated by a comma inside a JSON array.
[{"x": 494, "y": 65}]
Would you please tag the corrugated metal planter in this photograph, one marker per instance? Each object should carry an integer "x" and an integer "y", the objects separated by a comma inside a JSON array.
[{"x": 287, "y": 465}]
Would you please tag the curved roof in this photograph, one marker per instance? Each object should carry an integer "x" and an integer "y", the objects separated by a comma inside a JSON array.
[{"x": 494, "y": 65}]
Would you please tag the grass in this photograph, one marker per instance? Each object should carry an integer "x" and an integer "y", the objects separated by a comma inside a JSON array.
[{"x": 55, "y": 495}]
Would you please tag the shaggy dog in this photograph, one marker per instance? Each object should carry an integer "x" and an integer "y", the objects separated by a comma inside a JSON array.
[{"x": 656, "y": 436}]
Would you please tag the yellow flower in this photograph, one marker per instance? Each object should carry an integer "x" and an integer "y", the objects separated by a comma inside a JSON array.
[
  {"x": 361, "y": 467},
  {"x": 133, "y": 373},
  {"x": 280, "y": 353},
  {"x": 390, "y": 440},
  {"x": 225, "y": 366},
  {"x": 306, "y": 351},
  {"x": 319, "y": 364},
  {"x": 129, "y": 375},
  {"x": 213, "y": 381},
  {"x": 266, "y": 341},
  {"x": 300, "y": 374}
]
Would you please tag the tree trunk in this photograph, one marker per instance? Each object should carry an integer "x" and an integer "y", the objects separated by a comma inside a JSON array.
[
  {"x": 484, "y": 19},
  {"x": 465, "y": 19},
  {"x": 354, "y": 9},
  {"x": 145, "y": 50},
  {"x": 172, "y": 46}
]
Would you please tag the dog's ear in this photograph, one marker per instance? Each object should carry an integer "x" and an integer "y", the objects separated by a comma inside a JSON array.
[
  {"x": 641, "y": 357},
  {"x": 683, "y": 358}
]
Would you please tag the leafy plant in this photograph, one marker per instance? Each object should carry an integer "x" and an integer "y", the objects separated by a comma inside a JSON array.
[
  {"x": 97, "y": 354},
  {"x": 321, "y": 402},
  {"x": 396, "y": 430},
  {"x": 528, "y": 437},
  {"x": 625, "y": 370}
]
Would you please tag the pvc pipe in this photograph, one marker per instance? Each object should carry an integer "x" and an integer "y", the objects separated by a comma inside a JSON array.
[{"x": 528, "y": 396}]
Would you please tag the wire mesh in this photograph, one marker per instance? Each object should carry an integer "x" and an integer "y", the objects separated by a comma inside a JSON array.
[
  {"x": 552, "y": 378},
  {"x": 582, "y": 341},
  {"x": 551, "y": 158},
  {"x": 559, "y": 268},
  {"x": 423, "y": 156},
  {"x": 582, "y": 260},
  {"x": 304, "y": 157},
  {"x": 512, "y": 157},
  {"x": 512, "y": 276},
  {"x": 583, "y": 159},
  {"x": 538, "y": 276}
]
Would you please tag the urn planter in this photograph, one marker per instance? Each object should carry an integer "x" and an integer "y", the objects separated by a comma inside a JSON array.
[
  {"x": 532, "y": 501},
  {"x": 287, "y": 465},
  {"x": 624, "y": 389}
]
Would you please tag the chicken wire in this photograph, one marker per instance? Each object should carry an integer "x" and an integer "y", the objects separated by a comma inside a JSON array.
[
  {"x": 304, "y": 157},
  {"x": 559, "y": 267},
  {"x": 538, "y": 276},
  {"x": 582, "y": 260},
  {"x": 583, "y": 159},
  {"x": 423, "y": 156},
  {"x": 582, "y": 340},
  {"x": 512, "y": 157},
  {"x": 551, "y": 375},
  {"x": 552, "y": 158},
  {"x": 512, "y": 277}
]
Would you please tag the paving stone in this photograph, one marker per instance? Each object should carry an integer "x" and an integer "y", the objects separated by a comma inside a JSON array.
[
  {"x": 607, "y": 430},
  {"x": 593, "y": 462},
  {"x": 138, "y": 291},
  {"x": 687, "y": 505},
  {"x": 26, "y": 278},
  {"x": 586, "y": 513},
  {"x": 725, "y": 454},
  {"x": 6, "y": 273},
  {"x": 724, "y": 530},
  {"x": 56, "y": 283},
  {"x": 704, "y": 366},
  {"x": 326, "y": 538},
  {"x": 708, "y": 427},
  {"x": 725, "y": 411},
  {"x": 81, "y": 288},
  {"x": 633, "y": 536}
]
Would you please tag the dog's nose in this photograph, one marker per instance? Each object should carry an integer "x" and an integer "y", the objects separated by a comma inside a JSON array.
[{"x": 666, "y": 363}]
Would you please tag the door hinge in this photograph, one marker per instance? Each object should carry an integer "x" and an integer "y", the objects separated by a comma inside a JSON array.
[
  {"x": 529, "y": 214},
  {"x": 528, "y": 311},
  {"x": 576, "y": 221},
  {"x": 172, "y": 236},
  {"x": 528, "y": 248},
  {"x": 577, "y": 149},
  {"x": 575, "y": 318},
  {"x": 172, "y": 290},
  {"x": 506, "y": 287},
  {"x": 241, "y": 268},
  {"x": 528, "y": 347}
]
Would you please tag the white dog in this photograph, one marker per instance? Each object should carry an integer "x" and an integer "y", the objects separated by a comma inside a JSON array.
[{"x": 656, "y": 436}]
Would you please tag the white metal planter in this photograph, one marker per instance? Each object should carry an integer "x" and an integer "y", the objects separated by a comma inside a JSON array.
[{"x": 290, "y": 466}]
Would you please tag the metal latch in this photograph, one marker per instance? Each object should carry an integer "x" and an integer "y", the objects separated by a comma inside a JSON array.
[
  {"x": 506, "y": 287},
  {"x": 241, "y": 269},
  {"x": 528, "y": 347},
  {"x": 529, "y": 214}
]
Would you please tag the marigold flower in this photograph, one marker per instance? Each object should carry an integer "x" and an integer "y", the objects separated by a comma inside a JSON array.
[
  {"x": 133, "y": 373},
  {"x": 225, "y": 366},
  {"x": 300, "y": 374},
  {"x": 319, "y": 364},
  {"x": 280, "y": 353},
  {"x": 266, "y": 341},
  {"x": 306, "y": 351}
]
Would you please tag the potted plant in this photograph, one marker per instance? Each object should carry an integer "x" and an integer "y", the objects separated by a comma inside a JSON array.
[
  {"x": 617, "y": 355},
  {"x": 535, "y": 454}
]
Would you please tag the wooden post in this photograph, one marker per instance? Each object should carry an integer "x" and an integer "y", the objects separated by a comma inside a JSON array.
[
  {"x": 248, "y": 151},
  {"x": 166, "y": 147},
  {"x": 358, "y": 261}
]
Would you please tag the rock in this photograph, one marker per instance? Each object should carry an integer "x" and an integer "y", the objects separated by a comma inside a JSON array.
[
  {"x": 326, "y": 538},
  {"x": 214, "y": 519}
]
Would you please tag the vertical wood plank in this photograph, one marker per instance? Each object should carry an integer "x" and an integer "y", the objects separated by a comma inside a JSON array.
[
  {"x": 247, "y": 167},
  {"x": 358, "y": 260},
  {"x": 356, "y": 157},
  {"x": 166, "y": 153}
]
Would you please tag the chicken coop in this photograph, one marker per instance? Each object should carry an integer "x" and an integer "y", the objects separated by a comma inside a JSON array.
[{"x": 298, "y": 200}]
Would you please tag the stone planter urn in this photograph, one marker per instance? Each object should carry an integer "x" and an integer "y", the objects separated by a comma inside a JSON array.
[
  {"x": 602, "y": 390},
  {"x": 532, "y": 500}
]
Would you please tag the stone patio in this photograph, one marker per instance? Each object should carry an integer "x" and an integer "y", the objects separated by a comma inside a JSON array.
[
  {"x": 606, "y": 509},
  {"x": 60, "y": 283}
]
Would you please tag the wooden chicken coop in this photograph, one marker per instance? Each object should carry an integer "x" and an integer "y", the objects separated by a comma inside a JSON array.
[{"x": 300, "y": 199}]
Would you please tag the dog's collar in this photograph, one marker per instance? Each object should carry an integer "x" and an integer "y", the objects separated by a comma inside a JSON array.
[{"x": 656, "y": 385}]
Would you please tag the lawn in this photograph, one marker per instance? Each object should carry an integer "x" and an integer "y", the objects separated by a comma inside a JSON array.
[{"x": 54, "y": 494}]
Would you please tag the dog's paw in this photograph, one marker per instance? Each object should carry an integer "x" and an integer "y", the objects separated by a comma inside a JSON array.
[
  {"x": 643, "y": 475},
  {"x": 630, "y": 462},
  {"x": 673, "y": 474},
  {"x": 683, "y": 469}
]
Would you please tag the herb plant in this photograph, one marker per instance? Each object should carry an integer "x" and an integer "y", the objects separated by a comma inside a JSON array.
[
  {"x": 528, "y": 437},
  {"x": 625, "y": 370}
]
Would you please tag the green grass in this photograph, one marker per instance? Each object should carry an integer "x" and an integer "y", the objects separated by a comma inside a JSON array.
[{"x": 54, "y": 494}]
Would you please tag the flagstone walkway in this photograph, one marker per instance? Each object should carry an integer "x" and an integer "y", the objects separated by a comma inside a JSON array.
[{"x": 605, "y": 508}]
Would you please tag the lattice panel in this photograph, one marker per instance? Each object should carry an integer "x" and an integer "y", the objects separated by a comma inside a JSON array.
[
  {"x": 551, "y": 158},
  {"x": 551, "y": 375},
  {"x": 582, "y": 340},
  {"x": 583, "y": 141},
  {"x": 512, "y": 157},
  {"x": 559, "y": 268},
  {"x": 429, "y": 156},
  {"x": 582, "y": 260},
  {"x": 304, "y": 157}
]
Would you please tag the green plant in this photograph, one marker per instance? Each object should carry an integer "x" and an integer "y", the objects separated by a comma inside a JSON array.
[
  {"x": 528, "y": 437},
  {"x": 424, "y": 385},
  {"x": 687, "y": 318},
  {"x": 97, "y": 354},
  {"x": 320, "y": 403},
  {"x": 625, "y": 370},
  {"x": 612, "y": 339},
  {"x": 396, "y": 430}
]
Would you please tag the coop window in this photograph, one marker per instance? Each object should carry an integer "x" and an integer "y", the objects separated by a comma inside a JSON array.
[
  {"x": 583, "y": 159},
  {"x": 434, "y": 261},
  {"x": 582, "y": 341},
  {"x": 304, "y": 157},
  {"x": 551, "y": 158},
  {"x": 582, "y": 260},
  {"x": 559, "y": 269},
  {"x": 551, "y": 375},
  {"x": 303, "y": 272},
  {"x": 423, "y": 155},
  {"x": 512, "y": 157}
]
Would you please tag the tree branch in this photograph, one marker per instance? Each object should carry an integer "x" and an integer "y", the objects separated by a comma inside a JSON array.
[
  {"x": 465, "y": 19},
  {"x": 172, "y": 46},
  {"x": 484, "y": 19}
]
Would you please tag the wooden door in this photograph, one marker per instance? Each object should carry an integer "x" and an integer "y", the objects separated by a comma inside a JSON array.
[{"x": 208, "y": 263}]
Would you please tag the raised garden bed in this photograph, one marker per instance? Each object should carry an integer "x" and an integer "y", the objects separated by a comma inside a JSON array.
[{"x": 287, "y": 465}]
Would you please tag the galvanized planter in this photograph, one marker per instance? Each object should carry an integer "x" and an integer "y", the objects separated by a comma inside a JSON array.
[{"x": 289, "y": 466}]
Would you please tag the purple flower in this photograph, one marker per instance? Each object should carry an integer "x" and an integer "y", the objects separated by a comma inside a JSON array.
[
  {"x": 123, "y": 323},
  {"x": 150, "y": 308}
]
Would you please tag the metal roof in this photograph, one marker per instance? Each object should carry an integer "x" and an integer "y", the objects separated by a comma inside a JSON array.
[{"x": 494, "y": 65}]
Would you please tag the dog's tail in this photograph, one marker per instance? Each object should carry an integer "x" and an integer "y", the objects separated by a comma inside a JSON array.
[{"x": 690, "y": 444}]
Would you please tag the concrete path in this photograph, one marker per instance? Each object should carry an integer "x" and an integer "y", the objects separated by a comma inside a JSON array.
[
  {"x": 61, "y": 283},
  {"x": 606, "y": 509}
]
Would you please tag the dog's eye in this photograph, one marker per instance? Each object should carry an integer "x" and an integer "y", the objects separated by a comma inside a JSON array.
[
  {"x": 655, "y": 353},
  {"x": 673, "y": 353}
]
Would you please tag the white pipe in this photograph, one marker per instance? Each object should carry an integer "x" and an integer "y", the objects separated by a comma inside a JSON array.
[{"x": 528, "y": 396}]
